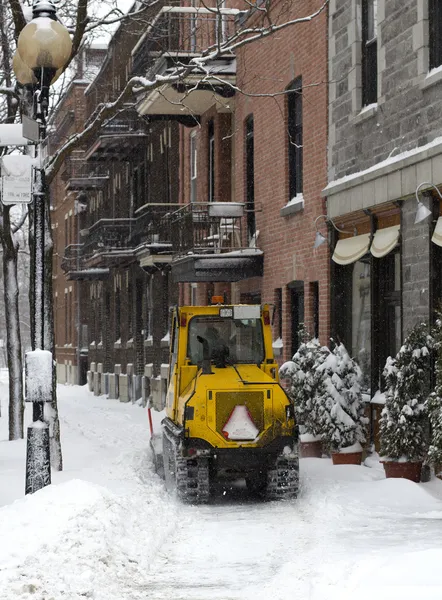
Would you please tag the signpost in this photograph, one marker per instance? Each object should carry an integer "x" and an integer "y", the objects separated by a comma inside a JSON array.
[{"x": 16, "y": 179}]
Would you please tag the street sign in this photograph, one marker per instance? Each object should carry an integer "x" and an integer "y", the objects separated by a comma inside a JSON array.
[
  {"x": 31, "y": 129},
  {"x": 16, "y": 179},
  {"x": 11, "y": 134}
]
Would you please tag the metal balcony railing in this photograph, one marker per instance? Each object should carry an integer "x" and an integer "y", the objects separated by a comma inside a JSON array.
[
  {"x": 107, "y": 235},
  {"x": 71, "y": 259},
  {"x": 82, "y": 169},
  {"x": 208, "y": 228},
  {"x": 153, "y": 224},
  {"x": 182, "y": 31}
]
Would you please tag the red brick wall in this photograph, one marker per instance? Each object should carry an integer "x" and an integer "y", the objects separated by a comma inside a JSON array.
[{"x": 267, "y": 67}]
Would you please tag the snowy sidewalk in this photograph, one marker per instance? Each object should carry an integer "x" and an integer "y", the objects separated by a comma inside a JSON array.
[{"x": 107, "y": 530}]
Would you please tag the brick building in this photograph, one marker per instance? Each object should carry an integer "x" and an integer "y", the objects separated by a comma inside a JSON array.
[{"x": 210, "y": 186}]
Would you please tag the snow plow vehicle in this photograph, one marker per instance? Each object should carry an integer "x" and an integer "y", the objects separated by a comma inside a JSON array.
[{"x": 226, "y": 415}]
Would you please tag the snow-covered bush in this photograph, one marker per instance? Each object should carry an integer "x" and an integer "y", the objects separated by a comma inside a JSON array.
[
  {"x": 403, "y": 423},
  {"x": 433, "y": 405},
  {"x": 339, "y": 402},
  {"x": 304, "y": 379}
]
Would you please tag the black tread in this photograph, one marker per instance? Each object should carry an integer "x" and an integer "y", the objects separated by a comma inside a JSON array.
[
  {"x": 192, "y": 479},
  {"x": 283, "y": 478}
]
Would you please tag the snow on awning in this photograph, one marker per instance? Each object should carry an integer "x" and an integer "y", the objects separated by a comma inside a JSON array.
[
  {"x": 437, "y": 235},
  {"x": 385, "y": 240},
  {"x": 351, "y": 249}
]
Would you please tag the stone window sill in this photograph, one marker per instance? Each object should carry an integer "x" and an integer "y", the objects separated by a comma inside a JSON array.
[
  {"x": 431, "y": 79},
  {"x": 293, "y": 207},
  {"x": 366, "y": 113}
]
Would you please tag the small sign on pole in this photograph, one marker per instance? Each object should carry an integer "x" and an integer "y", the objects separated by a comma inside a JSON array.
[
  {"x": 16, "y": 179},
  {"x": 31, "y": 129}
]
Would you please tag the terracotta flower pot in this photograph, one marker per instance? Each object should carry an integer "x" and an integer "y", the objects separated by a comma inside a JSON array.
[
  {"x": 404, "y": 470},
  {"x": 347, "y": 458},
  {"x": 310, "y": 449}
]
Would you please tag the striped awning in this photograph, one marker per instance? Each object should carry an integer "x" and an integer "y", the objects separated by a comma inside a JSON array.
[
  {"x": 385, "y": 240},
  {"x": 351, "y": 249}
]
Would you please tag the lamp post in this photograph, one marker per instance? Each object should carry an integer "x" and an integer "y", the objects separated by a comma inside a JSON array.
[{"x": 43, "y": 49}]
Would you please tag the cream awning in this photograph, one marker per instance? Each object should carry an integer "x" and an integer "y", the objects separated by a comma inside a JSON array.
[
  {"x": 437, "y": 235},
  {"x": 385, "y": 240},
  {"x": 351, "y": 249}
]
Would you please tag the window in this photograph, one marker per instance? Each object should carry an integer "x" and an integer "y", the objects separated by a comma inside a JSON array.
[
  {"x": 367, "y": 308},
  {"x": 211, "y": 132},
  {"x": 250, "y": 178},
  {"x": 435, "y": 25},
  {"x": 240, "y": 340},
  {"x": 193, "y": 165},
  {"x": 277, "y": 320},
  {"x": 314, "y": 295},
  {"x": 295, "y": 137},
  {"x": 117, "y": 314},
  {"x": 296, "y": 289},
  {"x": 369, "y": 52}
]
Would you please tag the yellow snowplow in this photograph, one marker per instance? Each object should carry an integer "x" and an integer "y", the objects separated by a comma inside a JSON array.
[{"x": 227, "y": 417}]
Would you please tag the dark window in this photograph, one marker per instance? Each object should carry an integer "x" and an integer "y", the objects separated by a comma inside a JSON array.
[
  {"x": 314, "y": 294},
  {"x": 278, "y": 313},
  {"x": 193, "y": 167},
  {"x": 250, "y": 178},
  {"x": 117, "y": 314},
  {"x": 297, "y": 311},
  {"x": 211, "y": 134},
  {"x": 369, "y": 53},
  {"x": 130, "y": 315},
  {"x": 295, "y": 137},
  {"x": 435, "y": 23}
]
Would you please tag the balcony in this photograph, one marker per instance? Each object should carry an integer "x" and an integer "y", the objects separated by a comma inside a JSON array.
[
  {"x": 118, "y": 139},
  {"x": 106, "y": 244},
  {"x": 209, "y": 244},
  {"x": 152, "y": 235},
  {"x": 175, "y": 37},
  {"x": 80, "y": 175}
]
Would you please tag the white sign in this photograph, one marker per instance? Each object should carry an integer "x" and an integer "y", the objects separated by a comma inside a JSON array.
[
  {"x": 11, "y": 134},
  {"x": 16, "y": 176}
]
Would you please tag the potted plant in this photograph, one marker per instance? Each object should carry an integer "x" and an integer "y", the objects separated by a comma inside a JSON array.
[
  {"x": 404, "y": 423},
  {"x": 303, "y": 380},
  {"x": 433, "y": 405},
  {"x": 341, "y": 407}
]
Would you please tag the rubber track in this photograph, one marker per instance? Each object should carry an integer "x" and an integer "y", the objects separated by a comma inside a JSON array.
[
  {"x": 192, "y": 479},
  {"x": 283, "y": 479}
]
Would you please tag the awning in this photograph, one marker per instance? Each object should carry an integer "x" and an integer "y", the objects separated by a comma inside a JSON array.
[
  {"x": 385, "y": 240},
  {"x": 437, "y": 235},
  {"x": 351, "y": 249}
]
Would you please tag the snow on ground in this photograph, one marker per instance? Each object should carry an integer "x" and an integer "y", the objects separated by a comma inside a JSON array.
[{"x": 107, "y": 530}]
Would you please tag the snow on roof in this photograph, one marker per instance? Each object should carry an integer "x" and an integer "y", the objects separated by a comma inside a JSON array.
[{"x": 390, "y": 160}]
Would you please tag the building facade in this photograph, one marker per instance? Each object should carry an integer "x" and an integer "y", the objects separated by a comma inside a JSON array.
[
  {"x": 384, "y": 156},
  {"x": 212, "y": 186}
]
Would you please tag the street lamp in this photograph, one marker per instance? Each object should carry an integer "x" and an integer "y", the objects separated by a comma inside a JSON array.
[{"x": 43, "y": 49}]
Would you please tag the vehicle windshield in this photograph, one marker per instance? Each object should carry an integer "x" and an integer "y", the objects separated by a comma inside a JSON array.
[{"x": 240, "y": 339}]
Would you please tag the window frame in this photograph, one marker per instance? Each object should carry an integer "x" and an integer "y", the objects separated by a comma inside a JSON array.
[
  {"x": 369, "y": 47},
  {"x": 435, "y": 34},
  {"x": 295, "y": 137},
  {"x": 193, "y": 167}
]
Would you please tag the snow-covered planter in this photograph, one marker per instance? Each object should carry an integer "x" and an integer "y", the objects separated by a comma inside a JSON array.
[
  {"x": 304, "y": 379},
  {"x": 404, "y": 422},
  {"x": 433, "y": 405},
  {"x": 341, "y": 407}
]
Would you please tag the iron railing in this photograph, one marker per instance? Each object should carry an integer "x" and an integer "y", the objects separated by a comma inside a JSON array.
[
  {"x": 195, "y": 228},
  {"x": 179, "y": 31},
  {"x": 153, "y": 224}
]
